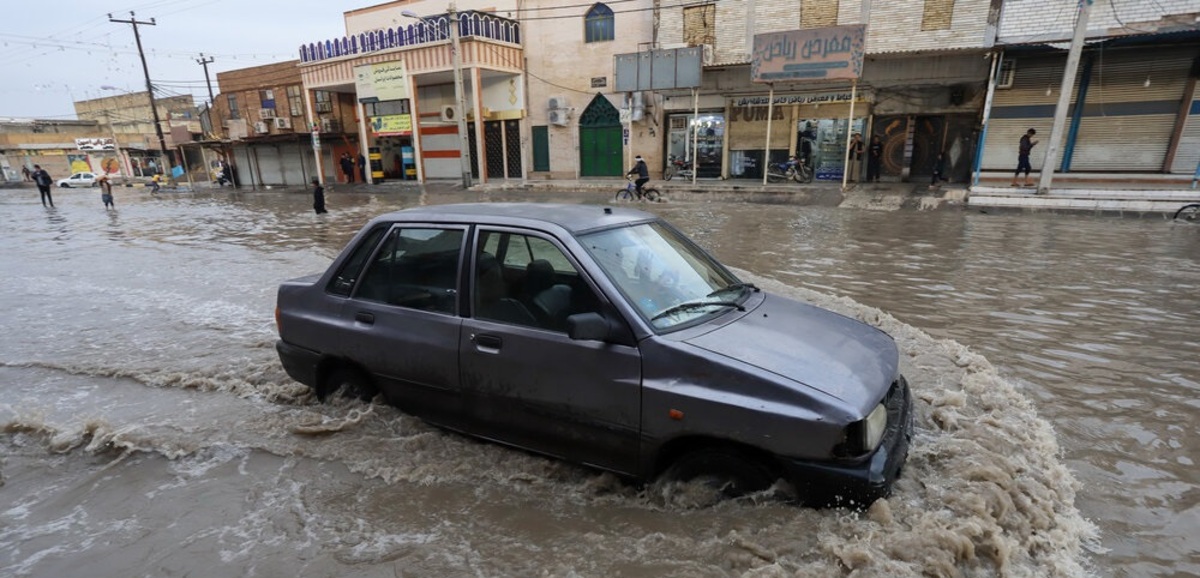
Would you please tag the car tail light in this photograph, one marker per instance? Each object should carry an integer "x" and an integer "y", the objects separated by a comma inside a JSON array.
[{"x": 278, "y": 328}]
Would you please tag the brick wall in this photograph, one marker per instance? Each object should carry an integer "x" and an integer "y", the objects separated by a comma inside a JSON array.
[
  {"x": 1040, "y": 20},
  {"x": 895, "y": 25}
]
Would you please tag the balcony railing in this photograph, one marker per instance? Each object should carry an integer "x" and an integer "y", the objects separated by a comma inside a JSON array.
[{"x": 431, "y": 29}]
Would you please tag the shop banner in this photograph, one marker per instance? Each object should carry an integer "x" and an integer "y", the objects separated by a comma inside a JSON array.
[
  {"x": 391, "y": 125},
  {"x": 95, "y": 144},
  {"x": 811, "y": 98},
  {"x": 381, "y": 82},
  {"x": 833, "y": 53}
]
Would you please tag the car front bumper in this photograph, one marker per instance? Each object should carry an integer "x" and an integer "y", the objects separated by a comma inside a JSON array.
[
  {"x": 299, "y": 363},
  {"x": 861, "y": 482}
]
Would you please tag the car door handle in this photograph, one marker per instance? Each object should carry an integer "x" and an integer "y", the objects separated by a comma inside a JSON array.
[
  {"x": 489, "y": 341},
  {"x": 364, "y": 317}
]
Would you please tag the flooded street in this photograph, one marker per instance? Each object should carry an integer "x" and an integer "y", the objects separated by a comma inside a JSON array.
[{"x": 146, "y": 427}]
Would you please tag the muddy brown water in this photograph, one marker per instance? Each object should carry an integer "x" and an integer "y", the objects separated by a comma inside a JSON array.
[{"x": 148, "y": 430}]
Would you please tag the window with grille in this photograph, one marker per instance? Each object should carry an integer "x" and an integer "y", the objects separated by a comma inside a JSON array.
[
  {"x": 324, "y": 100},
  {"x": 295, "y": 101},
  {"x": 598, "y": 24},
  {"x": 233, "y": 106},
  {"x": 700, "y": 25}
]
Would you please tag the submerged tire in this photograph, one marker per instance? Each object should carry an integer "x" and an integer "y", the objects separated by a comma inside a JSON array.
[
  {"x": 351, "y": 382},
  {"x": 623, "y": 195},
  {"x": 725, "y": 469},
  {"x": 650, "y": 194}
]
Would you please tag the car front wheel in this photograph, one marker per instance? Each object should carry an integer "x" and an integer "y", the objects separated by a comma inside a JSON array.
[{"x": 724, "y": 469}]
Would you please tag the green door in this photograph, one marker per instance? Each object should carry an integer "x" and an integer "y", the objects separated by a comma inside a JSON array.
[{"x": 600, "y": 149}]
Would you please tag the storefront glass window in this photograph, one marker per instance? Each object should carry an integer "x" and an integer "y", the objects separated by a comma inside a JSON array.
[
  {"x": 708, "y": 129},
  {"x": 827, "y": 138}
]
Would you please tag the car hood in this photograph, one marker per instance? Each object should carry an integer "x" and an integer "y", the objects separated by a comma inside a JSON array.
[{"x": 839, "y": 356}]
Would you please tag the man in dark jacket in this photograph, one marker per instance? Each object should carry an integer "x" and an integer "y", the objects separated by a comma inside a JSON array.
[
  {"x": 642, "y": 172},
  {"x": 1023, "y": 149},
  {"x": 43, "y": 180}
]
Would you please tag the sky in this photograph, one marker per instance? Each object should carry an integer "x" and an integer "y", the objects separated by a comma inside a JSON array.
[{"x": 60, "y": 51}]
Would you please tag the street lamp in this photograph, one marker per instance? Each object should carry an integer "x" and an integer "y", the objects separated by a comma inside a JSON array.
[{"x": 464, "y": 147}]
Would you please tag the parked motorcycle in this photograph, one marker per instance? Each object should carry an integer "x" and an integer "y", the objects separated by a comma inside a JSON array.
[
  {"x": 792, "y": 169},
  {"x": 677, "y": 166}
]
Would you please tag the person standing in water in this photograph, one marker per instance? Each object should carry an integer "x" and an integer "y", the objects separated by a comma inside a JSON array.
[
  {"x": 106, "y": 192},
  {"x": 318, "y": 197}
]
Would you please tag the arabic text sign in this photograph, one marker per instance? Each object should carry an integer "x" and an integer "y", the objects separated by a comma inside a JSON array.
[
  {"x": 95, "y": 144},
  {"x": 382, "y": 81},
  {"x": 834, "y": 53},
  {"x": 391, "y": 125}
]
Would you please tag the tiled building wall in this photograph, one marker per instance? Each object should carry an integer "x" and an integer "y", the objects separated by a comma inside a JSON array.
[{"x": 1033, "y": 20}]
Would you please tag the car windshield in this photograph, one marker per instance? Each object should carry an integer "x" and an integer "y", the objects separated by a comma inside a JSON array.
[{"x": 667, "y": 278}]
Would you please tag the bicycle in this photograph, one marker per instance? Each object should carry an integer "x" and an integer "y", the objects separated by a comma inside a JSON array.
[
  {"x": 1189, "y": 213},
  {"x": 792, "y": 169},
  {"x": 629, "y": 193}
]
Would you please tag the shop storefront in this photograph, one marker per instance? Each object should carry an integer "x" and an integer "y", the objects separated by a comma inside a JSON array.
[
  {"x": 705, "y": 132},
  {"x": 820, "y": 119},
  {"x": 390, "y": 129}
]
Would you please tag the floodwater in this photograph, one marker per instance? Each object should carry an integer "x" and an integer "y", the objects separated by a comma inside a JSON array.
[{"x": 146, "y": 428}]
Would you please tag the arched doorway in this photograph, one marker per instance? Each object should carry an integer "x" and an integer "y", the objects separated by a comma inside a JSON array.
[{"x": 600, "y": 140}]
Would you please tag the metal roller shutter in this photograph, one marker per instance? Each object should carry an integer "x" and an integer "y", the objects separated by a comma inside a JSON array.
[
  {"x": 1021, "y": 107},
  {"x": 1187, "y": 156},
  {"x": 1127, "y": 125}
]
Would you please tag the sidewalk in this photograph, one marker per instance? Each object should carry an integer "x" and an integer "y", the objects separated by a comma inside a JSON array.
[{"x": 1096, "y": 192}]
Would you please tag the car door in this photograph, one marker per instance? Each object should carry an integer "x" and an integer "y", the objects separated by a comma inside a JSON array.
[
  {"x": 401, "y": 323},
  {"x": 527, "y": 382}
]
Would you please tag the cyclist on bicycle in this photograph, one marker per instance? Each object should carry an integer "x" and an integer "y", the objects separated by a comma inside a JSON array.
[{"x": 643, "y": 174}]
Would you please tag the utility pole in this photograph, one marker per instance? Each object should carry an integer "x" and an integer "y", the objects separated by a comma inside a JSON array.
[
  {"x": 464, "y": 146},
  {"x": 202, "y": 61},
  {"x": 162, "y": 142},
  {"x": 1064, "y": 98}
]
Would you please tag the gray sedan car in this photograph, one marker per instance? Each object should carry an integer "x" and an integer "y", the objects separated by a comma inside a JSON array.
[{"x": 602, "y": 336}]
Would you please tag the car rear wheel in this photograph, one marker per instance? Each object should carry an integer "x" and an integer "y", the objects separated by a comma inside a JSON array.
[
  {"x": 724, "y": 469},
  {"x": 350, "y": 382}
]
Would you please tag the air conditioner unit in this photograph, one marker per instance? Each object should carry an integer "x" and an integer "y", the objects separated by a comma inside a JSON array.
[
  {"x": 283, "y": 122},
  {"x": 265, "y": 113},
  {"x": 709, "y": 54},
  {"x": 449, "y": 113},
  {"x": 560, "y": 117},
  {"x": 556, "y": 103},
  {"x": 327, "y": 125},
  {"x": 324, "y": 106},
  {"x": 260, "y": 127}
]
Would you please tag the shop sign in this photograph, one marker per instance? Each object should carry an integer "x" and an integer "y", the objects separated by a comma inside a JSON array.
[
  {"x": 832, "y": 53},
  {"x": 382, "y": 81},
  {"x": 95, "y": 144},
  {"x": 391, "y": 125},
  {"x": 785, "y": 99}
]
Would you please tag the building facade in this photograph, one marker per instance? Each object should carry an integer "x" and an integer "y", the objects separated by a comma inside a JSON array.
[
  {"x": 62, "y": 147},
  {"x": 129, "y": 121},
  {"x": 1133, "y": 106}
]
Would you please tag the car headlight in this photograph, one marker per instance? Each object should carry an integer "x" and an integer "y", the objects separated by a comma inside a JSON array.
[
  {"x": 862, "y": 437},
  {"x": 874, "y": 427}
]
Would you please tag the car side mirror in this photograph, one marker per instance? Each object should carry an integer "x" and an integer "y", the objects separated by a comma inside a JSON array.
[{"x": 597, "y": 327}]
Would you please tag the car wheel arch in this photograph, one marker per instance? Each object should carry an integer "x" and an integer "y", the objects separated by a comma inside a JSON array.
[
  {"x": 333, "y": 372},
  {"x": 671, "y": 452}
]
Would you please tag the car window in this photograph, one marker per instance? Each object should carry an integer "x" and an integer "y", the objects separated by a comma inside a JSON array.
[
  {"x": 343, "y": 282},
  {"x": 533, "y": 284},
  {"x": 657, "y": 269},
  {"x": 417, "y": 268}
]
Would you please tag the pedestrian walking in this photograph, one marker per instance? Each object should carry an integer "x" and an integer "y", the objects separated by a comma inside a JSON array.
[
  {"x": 856, "y": 152},
  {"x": 154, "y": 183},
  {"x": 106, "y": 192},
  {"x": 1023, "y": 148},
  {"x": 347, "y": 165},
  {"x": 874, "y": 158},
  {"x": 362, "y": 167},
  {"x": 43, "y": 180},
  {"x": 939, "y": 169},
  {"x": 318, "y": 196}
]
